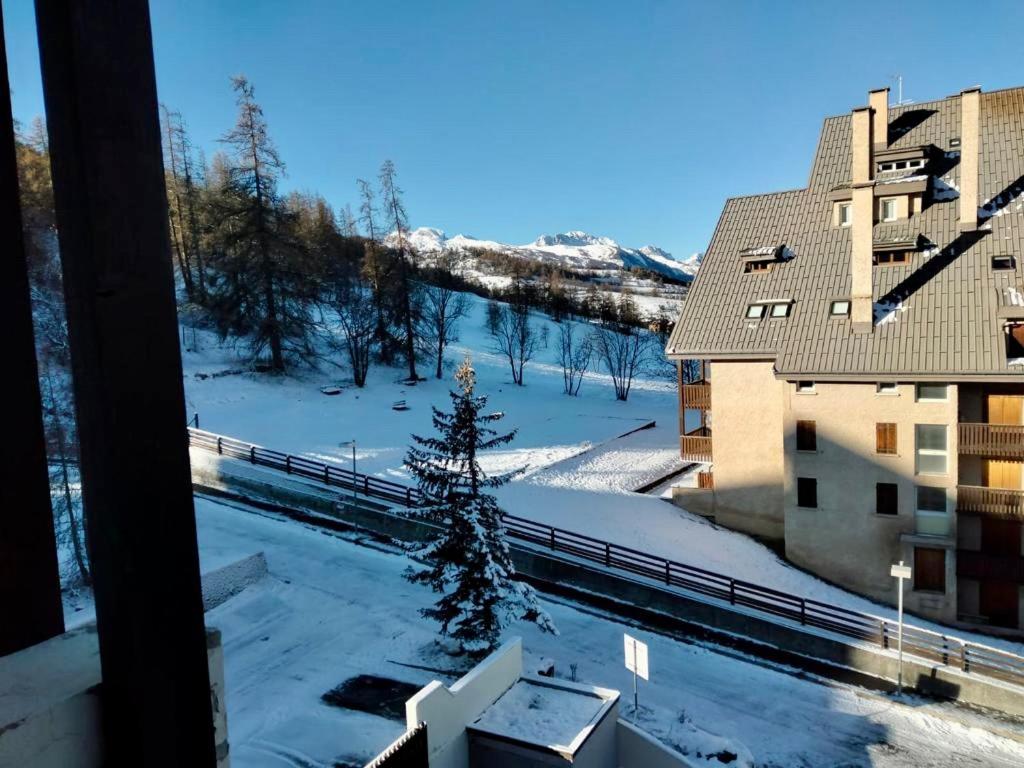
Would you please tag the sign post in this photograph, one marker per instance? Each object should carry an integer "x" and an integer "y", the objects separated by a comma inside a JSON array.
[
  {"x": 353, "y": 444},
  {"x": 636, "y": 662},
  {"x": 900, "y": 572}
]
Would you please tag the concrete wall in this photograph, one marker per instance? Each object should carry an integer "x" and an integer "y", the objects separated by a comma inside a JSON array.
[
  {"x": 843, "y": 539},
  {"x": 638, "y": 749},
  {"x": 748, "y": 405},
  {"x": 50, "y": 706},
  {"x": 447, "y": 711}
]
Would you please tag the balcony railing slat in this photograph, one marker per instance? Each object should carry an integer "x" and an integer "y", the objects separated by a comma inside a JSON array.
[
  {"x": 697, "y": 396},
  {"x": 1004, "y": 441},
  {"x": 695, "y": 448},
  {"x": 997, "y": 502}
]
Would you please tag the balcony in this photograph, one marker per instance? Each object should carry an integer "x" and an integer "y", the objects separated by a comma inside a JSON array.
[
  {"x": 1003, "y": 441},
  {"x": 697, "y": 396},
  {"x": 696, "y": 446},
  {"x": 982, "y": 566},
  {"x": 996, "y": 502},
  {"x": 706, "y": 481}
]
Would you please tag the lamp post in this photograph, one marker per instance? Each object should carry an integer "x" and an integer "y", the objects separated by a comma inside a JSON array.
[
  {"x": 900, "y": 572},
  {"x": 353, "y": 444}
]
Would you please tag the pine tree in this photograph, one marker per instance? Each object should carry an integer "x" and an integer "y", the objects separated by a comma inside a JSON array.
[
  {"x": 471, "y": 556},
  {"x": 398, "y": 219}
]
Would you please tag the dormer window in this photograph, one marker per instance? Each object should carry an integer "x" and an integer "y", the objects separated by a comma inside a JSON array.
[
  {"x": 761, "y": 258},
  {"x": 888, "y": 258},
  {"x": 844, "y": 214},
  {"x": 900, "y": 165}
]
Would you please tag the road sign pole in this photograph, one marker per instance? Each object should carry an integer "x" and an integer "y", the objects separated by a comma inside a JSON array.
[{"x": 899, "y": 572}]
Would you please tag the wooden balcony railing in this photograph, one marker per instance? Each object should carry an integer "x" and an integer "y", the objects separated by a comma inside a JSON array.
[
  {"x": 705, "y": 480},
  {"x": 1004, "y": 441},
  {"x": 697, "y": 396},
  {"x": 997, "y": 502},
  {"x": 695, "y": 448},
  {"x": 985, "y": 567}
]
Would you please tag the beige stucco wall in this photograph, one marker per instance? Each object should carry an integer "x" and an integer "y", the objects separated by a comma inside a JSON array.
[
  {"x": 748, "y": 406},
  {"x": 844, "y": 539}
]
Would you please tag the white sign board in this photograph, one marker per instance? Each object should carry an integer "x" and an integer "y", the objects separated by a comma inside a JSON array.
[
  {"x": 636, "y": 656},
  {"x": 900, "y": 571}
]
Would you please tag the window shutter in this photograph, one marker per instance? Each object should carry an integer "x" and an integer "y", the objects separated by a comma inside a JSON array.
[
  {"x": 885, "y": 438},
  {"x": 806, "y": 436},
  {"x": 929, "y": 569}
]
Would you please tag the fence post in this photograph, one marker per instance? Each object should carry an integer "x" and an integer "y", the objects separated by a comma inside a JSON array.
[
  {"x": 607, "y": 555},
  {"x": 220, "y": 448},
  {"x": 966, "y": 665},
  {"x": 408, "y": 497},
  {"x": 327, "y": 475},
  {"x": 552, "y": 538},
  {"x": 945, "y": 650},
  {"x": 885, "y": 634},
  {"x": 732, "y": 591},
  {"x": 288, "y": 464},
  {"x": 366, "y": 485},
  {"x": 252, "y": 454},
  {"x": 803, "y": 611},
  {"x": 668, "y": 572}
]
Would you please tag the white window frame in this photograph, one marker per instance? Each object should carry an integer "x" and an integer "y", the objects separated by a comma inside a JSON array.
[
  {"x": 832, "y": 308},
  {"x": 919, "y": 451},
  {"x": 847, "y": 208},
  {"x": 881, "y": 209},
  {"x": 917, "y": 392},
  {"x": 887, "y": 388}
]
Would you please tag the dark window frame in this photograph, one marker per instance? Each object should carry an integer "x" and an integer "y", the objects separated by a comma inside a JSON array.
[
  {"x": 807, "y": 435},
  {"x": 887, "y": 499},
  {"x": 807, "y": 492}
]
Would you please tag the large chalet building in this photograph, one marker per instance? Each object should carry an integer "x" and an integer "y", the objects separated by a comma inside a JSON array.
[{"x": 859, "y": 349}]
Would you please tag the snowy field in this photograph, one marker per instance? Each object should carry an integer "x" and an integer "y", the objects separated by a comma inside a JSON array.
[
  {"x": 579, "y": 473},
  {"x": 331, "y": 610}
]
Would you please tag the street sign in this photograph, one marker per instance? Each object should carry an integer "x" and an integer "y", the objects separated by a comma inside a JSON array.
[
  {"x": 636, "y": 656},
  {"x": 900, "y": 571}
]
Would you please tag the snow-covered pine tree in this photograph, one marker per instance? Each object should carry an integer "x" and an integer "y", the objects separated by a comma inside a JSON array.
[{"x": 469, "y": 563}]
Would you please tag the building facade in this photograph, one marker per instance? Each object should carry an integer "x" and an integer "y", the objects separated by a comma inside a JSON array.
[{"x": 859, "y": 349}]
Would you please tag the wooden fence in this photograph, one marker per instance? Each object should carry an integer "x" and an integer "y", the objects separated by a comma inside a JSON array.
[{"x": 813, "y": 614}]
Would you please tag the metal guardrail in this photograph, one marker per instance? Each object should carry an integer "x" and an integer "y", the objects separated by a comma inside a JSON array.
[
  {"x": 969, "y": 657},
  {"x": 333, "y": 475}
]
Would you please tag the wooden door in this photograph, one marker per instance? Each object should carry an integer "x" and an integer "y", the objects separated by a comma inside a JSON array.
[
  {"x": 1005, "y": 409},
  {"x": 1000, "y": 602},
  {"x": 1004, "y": 474}
]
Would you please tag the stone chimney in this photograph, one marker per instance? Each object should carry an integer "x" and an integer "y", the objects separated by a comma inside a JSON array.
[
  {"x": 878, "y": 100},
  {"x": 862, "y": 172},
  {"x": 970, "y": 108}
]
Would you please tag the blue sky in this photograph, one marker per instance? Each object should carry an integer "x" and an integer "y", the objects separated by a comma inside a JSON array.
[{"x": 507, "y": 120}]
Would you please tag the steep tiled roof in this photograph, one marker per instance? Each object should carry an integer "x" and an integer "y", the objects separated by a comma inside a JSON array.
[{"x": 948, "y": 319}]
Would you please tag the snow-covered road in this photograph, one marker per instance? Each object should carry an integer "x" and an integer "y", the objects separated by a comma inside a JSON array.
[{"x": 331, "y": 609}]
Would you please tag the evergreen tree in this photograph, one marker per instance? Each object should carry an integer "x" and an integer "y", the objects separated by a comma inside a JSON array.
[
  {"x": 471, "y": 556},
  {"x": 262, "y": 284},
  {"x": 398, "y": 219}
]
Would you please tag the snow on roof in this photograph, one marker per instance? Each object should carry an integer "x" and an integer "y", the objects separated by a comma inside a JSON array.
[{"x": 553, "y": 715}]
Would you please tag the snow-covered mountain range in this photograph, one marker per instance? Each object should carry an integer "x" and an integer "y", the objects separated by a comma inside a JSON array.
[{"x": 574, "y": 250}]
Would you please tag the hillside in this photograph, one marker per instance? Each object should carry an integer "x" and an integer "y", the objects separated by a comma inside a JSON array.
[{"x": 575, "y": 251}]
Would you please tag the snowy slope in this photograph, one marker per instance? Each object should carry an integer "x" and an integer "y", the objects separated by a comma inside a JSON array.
[{"x": 578, "y": 251}]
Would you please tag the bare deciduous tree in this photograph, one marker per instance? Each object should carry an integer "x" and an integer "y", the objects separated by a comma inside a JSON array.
[
  {"x": 351, "y": 301},
  {"x": 441, "y": 309},
  {"x": 517, "y": 338},
  {"x": 624, "y": 352},
  {"x": 575, "y": 351}
]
